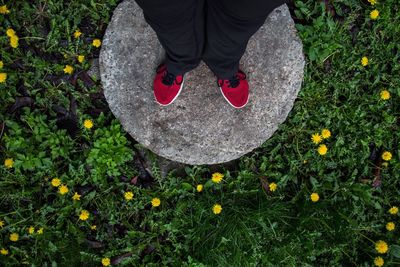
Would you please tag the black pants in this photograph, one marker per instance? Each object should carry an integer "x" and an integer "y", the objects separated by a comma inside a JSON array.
[{"x": 215, "y": 31}]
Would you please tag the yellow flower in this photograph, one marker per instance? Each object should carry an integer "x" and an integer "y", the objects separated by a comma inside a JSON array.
[
  {"x": 4, "y": 251},
  {"x": 390, "y": 226},
  {"x": 9, "y": 163},
  {"x": 4, "y": 10},
  {"x": 76, "y": 196},
  {"x": 88, "y": 124},
  {"x": 314, "y": 197},
  {"x": 77, "y": 34},
  {"x": 305, "y": 161},
  {"x": 217, "y": 209},
  {"x": 3, "y": 77},
  {"x": 316, "y": 138},
  {"x": 68, "y": 69},
  {"x": 374, "y": 14},
  {"x": 93, "y": 227},
  {"x": 14, "y": 237},
  {"x": 14, "y": 41},
  {"x": 105, "y": 261},
  {"x": 81, "y": 58},
  {"x": 322, "y": 149},
  {"x": 372, "y": 2},
  {"x": 10, "y": 32},
  {"x": 364, "y": 61},
  {"x": 2, "y": 223},
  {"x": 325, "y": 133},
  {"x": 386, "y": 155},
  {"x": 55, "y": 182},
  {"x": 385, "y": 94},
  {"x": 63, "y": 189},
  {"x": 31, "y": 229},
  {"x": 381, "y": 246},
  {"x": 1, "y": 64},
  {"x": 84, "y": 215},
  {"x": 40, "y": 231},
  {"x": 96, "y": 43},
  {"x": 128, "y": 195},
  {"x": 155, "y": 202},
  {"x": 199, "y": 187},
  {"x": 217, "y": 177},
  {"x": 378, "y": 261},
  {"x": 273, "y": 186},
  {"x": 394, "y": 210}
]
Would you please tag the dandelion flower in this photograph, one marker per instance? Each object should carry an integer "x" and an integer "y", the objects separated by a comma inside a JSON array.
[
  {"x": 14, "y": 41},
  {"x": 2, "y": 223},
  {"x": 84, "y": 215},
  {"x": 385, "y": 94},
  {"x": 128, "y": 195},
  {"x": 68, "y": 69},
  {"x": 378, "y": 261},
  {"x": 272, "y": 186},
  {"x": 40, "y": 231},
  {"x": 316, "y": 138},
  {"x": 80, "y": 58},
  {"x": 88, "y": 124},
  {"x": 217, "y": 209},
  {"x": 199, "y": 188},
  {"x": 217, "y": 177},
  {"x": 31, "y": 229},
  {"x": 93, "y": 227},
  {"x": 381, "y": 246},
  {"x": 10, "y": 32},
  {"x": 325, "y": 133},
  {"x": 372, "y": 2},
  {"x": 3, "y": 77},
  {"x": 63, "y": 189},
  {"x": 394, "y": 210},
  {"x": 314, "y": 197},
  {"x": 9, "y": 163},
  {"x": 105, "y": 261},
  {"x": 322, "y": 149},
  {"x": 364, "y": 61},
  {"x": 96, "y": 43},
  {"x": 390, "y": 226},
  {"x": 374, "y": 14},
  {"x": 76, "y": 196},
  {"x": 4, "y": 10},
  {"x": 1, "y": 64},
  {"x": 55, "y": 182},
  {"x": 77, "y": 34},
  {"x": 155, "y": 202},
  {"x": 4, "y": 251},
  {"x": 14, "y": 237},
  {"x": 386, "y": 155}
]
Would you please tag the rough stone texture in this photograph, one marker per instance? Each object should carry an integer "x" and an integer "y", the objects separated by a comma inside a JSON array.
[
  {"x": 200, "y": 127},
  {"x": 94, "y": 70}
]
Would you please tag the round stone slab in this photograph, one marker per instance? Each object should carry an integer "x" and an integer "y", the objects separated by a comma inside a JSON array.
[{"x": 200, "y": 127}]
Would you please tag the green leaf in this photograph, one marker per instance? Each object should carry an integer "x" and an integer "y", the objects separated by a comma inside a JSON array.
[
  {"x": 187, "y": 186},
  {"x": 395, "y": 251}
]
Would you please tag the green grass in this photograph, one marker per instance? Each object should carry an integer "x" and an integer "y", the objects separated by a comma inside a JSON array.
[{"x": 41, "y": 128}]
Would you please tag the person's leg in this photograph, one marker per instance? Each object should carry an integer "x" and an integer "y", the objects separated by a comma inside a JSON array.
[
  {"x": 179, "y": 25},
  {"x": 230, "y": 24}
]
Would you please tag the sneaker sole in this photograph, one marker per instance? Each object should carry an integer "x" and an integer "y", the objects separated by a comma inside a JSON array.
[
  {"x": 180, "y": 89},
  {"x": 247, "y": 101}
]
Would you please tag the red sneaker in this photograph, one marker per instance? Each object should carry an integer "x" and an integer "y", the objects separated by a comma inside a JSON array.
[
  {"x": 235, "y": 90},
  {"x": 167, "y": 86}
]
